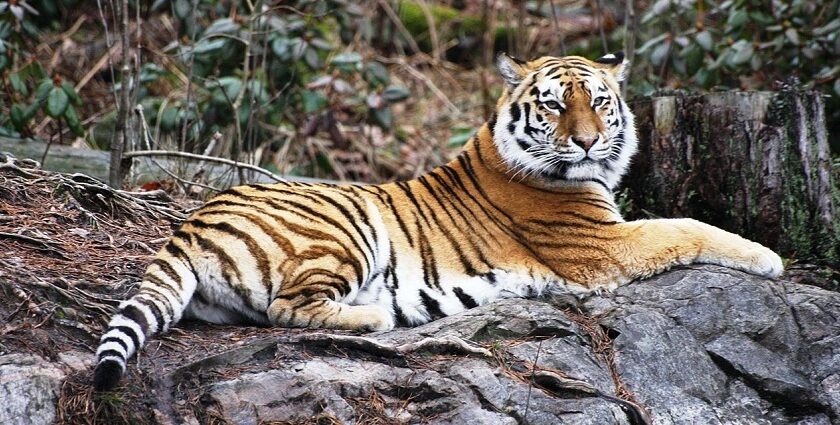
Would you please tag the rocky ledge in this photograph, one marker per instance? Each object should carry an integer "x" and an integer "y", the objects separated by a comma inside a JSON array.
[{"x": 699, "y": 345}]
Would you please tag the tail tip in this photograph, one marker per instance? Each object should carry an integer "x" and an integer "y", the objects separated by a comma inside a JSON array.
[{"x": 107, "y": 374}]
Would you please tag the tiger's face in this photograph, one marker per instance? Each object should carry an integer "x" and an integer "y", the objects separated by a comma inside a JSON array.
[{"x": 563, "y": 119}]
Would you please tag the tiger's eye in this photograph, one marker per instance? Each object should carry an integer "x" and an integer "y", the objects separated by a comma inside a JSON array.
[
  {"x": 552, "y": 105},
  {"x": 599, "y": 101}
]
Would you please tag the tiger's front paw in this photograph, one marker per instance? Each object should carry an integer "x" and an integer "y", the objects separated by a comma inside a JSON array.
[
  {"x": 762, "y": 261},
  {"x": 374, "y": 318}
]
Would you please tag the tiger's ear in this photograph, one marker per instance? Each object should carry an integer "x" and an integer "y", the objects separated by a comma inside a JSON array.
[
  {"x": 513, "y": 70},
  {"x": 615, "y": 64}
]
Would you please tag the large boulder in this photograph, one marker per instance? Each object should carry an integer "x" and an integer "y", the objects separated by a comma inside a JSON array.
[{"x": 694, "y": 345}]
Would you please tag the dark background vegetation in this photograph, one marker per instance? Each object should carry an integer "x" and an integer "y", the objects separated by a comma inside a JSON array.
[{"x": 373, "y": 90}]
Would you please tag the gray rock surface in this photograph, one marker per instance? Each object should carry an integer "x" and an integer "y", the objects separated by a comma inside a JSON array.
[
  {"x": 700, "y": 345},
  {"x": 29, "y": 386}
]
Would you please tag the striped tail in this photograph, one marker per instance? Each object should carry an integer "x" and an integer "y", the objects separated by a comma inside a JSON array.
[{"x": 167, "y": 288}]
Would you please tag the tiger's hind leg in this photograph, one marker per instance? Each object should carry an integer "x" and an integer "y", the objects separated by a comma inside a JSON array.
[{"x": 322, "y": 312}]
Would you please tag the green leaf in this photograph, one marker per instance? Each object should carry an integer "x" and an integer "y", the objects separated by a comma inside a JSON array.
[
  {"x": 5, "y": 29},
  {"x": 321, "y": 44},
  {"x": 659, "y": 54},
  {"x": 73, "y": 121},
  {"x": 396, "y": 93},
  {"x": 693, "y": 56},
  {"x": 742, "y": 52},
  {"x": 376, "y": 74},
  {"x": 312, "y": 101},
  {"x": 71, "y": 93},
  {"x": 762, "y": 18},
  {"x": 16, "y": 115},
  {"x": 183, "y": 8},
  {"x": 18, "y": 85},
  {"x": 222, "y": 26},
  {"x": 346, "y": 58},
  {"x": 209, "y": 45},
  {"x": 57, "y": 102},
  {"x": 37, "y": 70},
  {"x": 43, "y": 89},
  {"x": 227, "y": 89},
  {"x": 460, "y": 137},
  {"x": 831, "y": 27},
  {"x": 282, "y": 48},
  {"x": 704, "y": 39},
  {"x": 737, "y": 19},
  {"x": 792, "y": 35},
  {"x": 30, "y": 111},
  {"x": 383, "y": 117},
  {"x": 169, "y": 119},
  {"x": 311, "y": 58}
]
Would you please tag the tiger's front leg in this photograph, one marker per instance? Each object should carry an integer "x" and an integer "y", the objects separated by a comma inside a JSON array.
[{"x": 652, "y": 246}]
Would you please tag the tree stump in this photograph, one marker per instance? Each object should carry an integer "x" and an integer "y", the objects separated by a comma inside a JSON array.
[{"x": 754, "y": 163}]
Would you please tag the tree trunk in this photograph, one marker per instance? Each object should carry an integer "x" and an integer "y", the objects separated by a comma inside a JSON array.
[{"x": 754, "y": 163}]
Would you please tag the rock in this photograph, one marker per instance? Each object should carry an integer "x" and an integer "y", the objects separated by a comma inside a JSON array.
[
  {"x": 713, "y": 345},
  {"x": 697, "y": 345},
  {"x": 28, "y": 389}
]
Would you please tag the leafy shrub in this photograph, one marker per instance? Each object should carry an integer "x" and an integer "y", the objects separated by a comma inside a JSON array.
[
  {"x": 26, "y": 85},
  {"x": 301, "y": 74}
]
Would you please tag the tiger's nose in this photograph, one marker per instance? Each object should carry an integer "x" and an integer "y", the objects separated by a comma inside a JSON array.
[{"x": 585, "y": 141}]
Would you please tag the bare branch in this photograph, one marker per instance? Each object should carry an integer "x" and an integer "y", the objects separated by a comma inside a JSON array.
[{"x": 136, "y": 154}]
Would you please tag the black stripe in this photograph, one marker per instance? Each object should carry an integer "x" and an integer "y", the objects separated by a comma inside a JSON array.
[
  {"x": 111, "y": 353},
  {"x": 131, "y": 312},
  {"x": 160, "y": 298},
  {"x": 159, "y": 283},
  {"x": 406, "y": 188},
  {"x": 465, "y": 299},
  {"x": 256, "y": 251},
  {"x": 431, "y": 305},
  {"x": 392, "y": 267},
  {"x": 430, "y": 273},
  {"x": 329, "y": 220},
  {"x": 177, "y": 252},
  {"x": 353, "y": 222},
  {"x": 455, "y": 201},
  {"x": 228, "y": 265},
  {"x": 361, "y": 211},
  {"x": 131, "y": 333},
  {"x": 155, "y": 309},
  {"x": 117, "y": 340},
  {"x": 400, "y": 222},
  {"x": 402, "y": 320},
  {"x": 168, "y": 270},
  {"x": 468, "y": 267}
]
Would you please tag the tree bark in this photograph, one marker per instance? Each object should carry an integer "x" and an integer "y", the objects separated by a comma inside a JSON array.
[
  {"x": 119, "y": 141},
  {"x": 754, "y": 163}
]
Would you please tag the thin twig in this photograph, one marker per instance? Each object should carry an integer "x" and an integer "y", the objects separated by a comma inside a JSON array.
[
  {"x": 395, "y": 19},
  {"x": 631, "y": 28},
  {"x": 599, "y": 13},
  {"x": 120, "y": 139},
  {"x": 531, "y": 383},
  {"x": 178, "y": 154}
]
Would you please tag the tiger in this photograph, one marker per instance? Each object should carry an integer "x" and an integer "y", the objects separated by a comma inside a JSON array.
[{"x": 525, "y": 209}]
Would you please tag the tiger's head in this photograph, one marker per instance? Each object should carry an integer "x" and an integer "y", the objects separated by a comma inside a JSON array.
[{"x": 563, "y": 120}]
